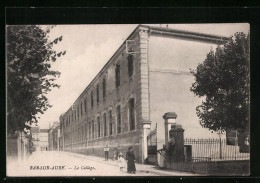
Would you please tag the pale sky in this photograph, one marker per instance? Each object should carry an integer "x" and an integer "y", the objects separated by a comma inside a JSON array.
[{"x": 89, "y": 47}]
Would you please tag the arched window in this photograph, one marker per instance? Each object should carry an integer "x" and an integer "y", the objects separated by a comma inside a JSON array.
[
  {"x": 98, "y": 126},
  {"x": 86, "y": 132},
  {"x": 110, "y": 123},
  {"x": 89, "y": 130},
  {"x": 118, "y": 114},
  {"x": 131, "y": 104},
  {"x": 105, "y": 124},
  {"x": 92, "y": 129}
]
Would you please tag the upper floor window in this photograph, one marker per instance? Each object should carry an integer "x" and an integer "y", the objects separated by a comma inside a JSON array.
[
  {"x": 78, "y": 111},
  {"x": 92, "y": 99},
  {"x": 130, "y": 65},
  {"x": 132, "y": 114},
  {"x": 104, "y": 87},
  {"x": 71, "y": 119},
  {"x": 118, "y": 113},
  {"x": 117, "y": 75},
  {"x": 97, "y": 93},
  {"x": 81, "y": 108},
  {"x": 85, "y": 104}
]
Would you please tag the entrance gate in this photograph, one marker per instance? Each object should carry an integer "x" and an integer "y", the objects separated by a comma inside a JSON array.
[{"x": 152, "y": 147}]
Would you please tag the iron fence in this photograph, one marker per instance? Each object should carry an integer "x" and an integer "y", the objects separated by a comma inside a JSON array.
[{"x": 215, "y": 150}]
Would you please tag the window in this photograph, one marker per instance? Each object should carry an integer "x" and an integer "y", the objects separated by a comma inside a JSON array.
[
  {"x": 132, "y": 114},
  {"x": 86, "y": 131},
  {"x": 130, "y": 65},
  {"x": 82, "y": 135},
  {"x": 89, "y": 130},
  {"x": 104, "y": 88},
  {"x": 92, "y": 129},
  {"x": 97, "y": 93},
  {"x": 98, "y": 123},
  {"x": 118, "y": 113},
  {"x": 71, "y": 119},
  {"x": 105, "y": 124},
  {"x": 110, "y": 123},
  {"x": 85, "y": 104},
  {"x": 117, "y": 75},
  {"x": 81, "y": 108},
  {"x": 92, "y": 100},
  {"x": 78, "y": 111}
]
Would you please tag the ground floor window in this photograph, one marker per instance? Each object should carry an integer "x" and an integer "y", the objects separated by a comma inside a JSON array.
[
  {"x": 110, "y": 123},
  {"x": 105, "y": 124},
  {"x": 92, "y": 129},
  {"x": 98, "y": 123},
  {"x": 132, "y": 114},
  {"x": 118, "y": 113}
]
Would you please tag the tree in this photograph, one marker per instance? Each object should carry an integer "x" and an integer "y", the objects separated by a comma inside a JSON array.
[
  {"x": 222, "y": 80},
  {"x": 29, "y": 74}
]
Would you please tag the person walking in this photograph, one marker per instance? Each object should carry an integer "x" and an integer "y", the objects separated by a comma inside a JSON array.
[
  {"x": 162, "y": 156},
  {"x": 130, "y": 158},
  {"x": 121, "y": 161},
  {"x": 106, "y": 150}
]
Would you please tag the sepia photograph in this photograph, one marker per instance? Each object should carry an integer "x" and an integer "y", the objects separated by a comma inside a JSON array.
[{"x": 86, "y": 100}]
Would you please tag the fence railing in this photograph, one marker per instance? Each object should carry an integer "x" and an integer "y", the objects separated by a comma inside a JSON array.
[{"x": 215, "y": 150}]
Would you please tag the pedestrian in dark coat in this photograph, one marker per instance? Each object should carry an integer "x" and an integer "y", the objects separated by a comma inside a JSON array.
[{"x": 130, "y": 158}]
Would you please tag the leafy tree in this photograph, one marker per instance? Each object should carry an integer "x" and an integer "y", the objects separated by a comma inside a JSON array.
[
  {"x": 222, "y": 80},
  {"x": 29, "y": 74}
]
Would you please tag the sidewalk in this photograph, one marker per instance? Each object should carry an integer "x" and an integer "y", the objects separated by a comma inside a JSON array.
[{"x": 139, "y": 167}]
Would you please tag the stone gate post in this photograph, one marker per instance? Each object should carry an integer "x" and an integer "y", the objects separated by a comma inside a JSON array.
[{"x": 177, "y": 133}]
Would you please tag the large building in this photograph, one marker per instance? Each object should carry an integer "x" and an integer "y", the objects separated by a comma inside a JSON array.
[
  {"x": 39, "y": 138},
  {"x": 146, "y": 77},
  {"x": 54, "y": 137}
]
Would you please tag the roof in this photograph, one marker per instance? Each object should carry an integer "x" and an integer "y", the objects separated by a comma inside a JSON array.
[{"x": 188, "y": 35}]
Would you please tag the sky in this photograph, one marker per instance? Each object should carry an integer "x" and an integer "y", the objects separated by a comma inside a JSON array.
[{"x": 89, "y": 47}]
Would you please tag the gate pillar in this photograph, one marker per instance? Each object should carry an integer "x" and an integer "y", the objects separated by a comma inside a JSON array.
[
  {"x": 169, "y": 118},
  {"x": 145, "y": 126},
  {"x": 177, "y": 134}
]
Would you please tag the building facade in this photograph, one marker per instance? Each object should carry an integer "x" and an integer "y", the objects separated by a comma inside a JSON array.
[
  {"x": 147, "y": 76},
  {"x": 39, "y": 138},
  {"x": 54, "y": 137}
]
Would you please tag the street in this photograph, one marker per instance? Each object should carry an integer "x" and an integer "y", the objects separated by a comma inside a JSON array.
[{"x": 56, "y": 163}]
